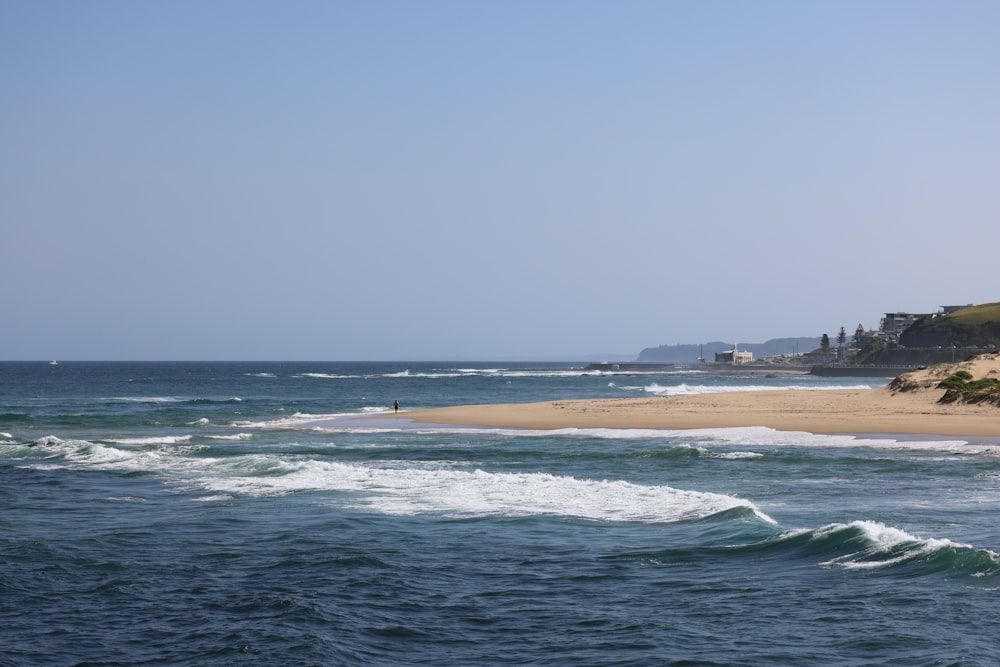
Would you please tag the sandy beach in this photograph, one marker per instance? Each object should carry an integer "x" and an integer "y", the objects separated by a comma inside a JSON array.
[{"x": 914, "y": 411}]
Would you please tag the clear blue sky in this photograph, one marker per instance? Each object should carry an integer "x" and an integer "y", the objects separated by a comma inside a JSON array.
[{"x": 487, "y": 180}]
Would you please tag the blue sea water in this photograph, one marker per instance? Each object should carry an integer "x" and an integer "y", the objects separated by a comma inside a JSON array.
[{"x": 257, "y": 513}]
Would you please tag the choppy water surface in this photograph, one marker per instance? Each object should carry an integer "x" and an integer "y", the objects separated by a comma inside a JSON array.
[{"x": 186, "y": 513}]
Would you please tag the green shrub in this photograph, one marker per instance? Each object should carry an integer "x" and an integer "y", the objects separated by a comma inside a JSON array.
[
  {"x": 957, "y": 380},
  {"x": 961, "y": 387}
]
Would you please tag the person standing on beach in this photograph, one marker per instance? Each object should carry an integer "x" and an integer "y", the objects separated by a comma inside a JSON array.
[{"x": 395, "y": 406}]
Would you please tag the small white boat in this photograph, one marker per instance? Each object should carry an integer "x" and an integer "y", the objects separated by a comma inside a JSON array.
[{"x": 53, "y": 363}]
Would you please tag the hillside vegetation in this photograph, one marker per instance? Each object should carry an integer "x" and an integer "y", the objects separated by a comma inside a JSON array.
[{"x": 975, "y": 326}]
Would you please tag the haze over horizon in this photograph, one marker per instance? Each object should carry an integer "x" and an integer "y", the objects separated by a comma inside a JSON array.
[{"x": 448, "y": 180}]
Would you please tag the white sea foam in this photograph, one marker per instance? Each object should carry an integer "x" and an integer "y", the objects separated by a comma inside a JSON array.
[
  {"x": 400, "y": 487},
  {"x": 570, "y": 373},
  {"x": 298, "y": 420},
  {"x": 345, "y": 421},
  {"x": 446, "y": 373},
  {"x": 688, "y": 390},
  {"x": 79, "y": 452},
  {"x": 146, "y": 399},
  {"x": 414, "y": 490},
  {"x": 154, "y": 440},
  {"x": 764, "y": 436},
  {"x": 743, "y": 436},
  {"x": 886, "y": 546},
  {"x": 234, "y": 436},
  {"x": 157, "y": 455},
  {"x": 491, "y": 372},
  {"x": 739, "y": 455}
]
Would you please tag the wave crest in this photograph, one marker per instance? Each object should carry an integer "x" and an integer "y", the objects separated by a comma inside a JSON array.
[{"x": 873, "y": 546}]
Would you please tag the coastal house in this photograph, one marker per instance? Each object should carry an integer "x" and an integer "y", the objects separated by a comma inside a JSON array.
[{"x": 734, "y": 357}]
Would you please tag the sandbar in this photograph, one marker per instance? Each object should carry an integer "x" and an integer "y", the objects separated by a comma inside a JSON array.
[{"x": 821, "y": 411}]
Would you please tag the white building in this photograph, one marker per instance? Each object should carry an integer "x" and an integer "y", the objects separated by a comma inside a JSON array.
[{"x": 734, "y": 357}]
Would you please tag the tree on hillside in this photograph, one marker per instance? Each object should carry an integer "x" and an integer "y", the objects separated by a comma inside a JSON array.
[{"x": 825, "y": 344}]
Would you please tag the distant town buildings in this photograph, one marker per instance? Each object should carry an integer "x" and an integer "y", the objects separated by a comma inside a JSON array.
[{"x": 893, "y": 325}]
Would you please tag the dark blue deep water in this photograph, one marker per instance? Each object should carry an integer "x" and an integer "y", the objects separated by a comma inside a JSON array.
[{"x": 257, "y": 513}]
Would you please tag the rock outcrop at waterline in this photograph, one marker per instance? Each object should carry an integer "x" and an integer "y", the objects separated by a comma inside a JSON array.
[{"x": 974, "y": 380}]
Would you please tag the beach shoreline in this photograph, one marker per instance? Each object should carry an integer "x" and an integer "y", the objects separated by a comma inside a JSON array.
[{"x": 835, "y": 411}]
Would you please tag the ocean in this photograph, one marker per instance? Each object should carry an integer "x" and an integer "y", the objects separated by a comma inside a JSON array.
[{"x": 257, "y": 513}]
